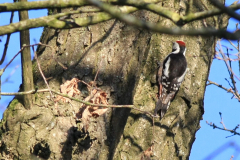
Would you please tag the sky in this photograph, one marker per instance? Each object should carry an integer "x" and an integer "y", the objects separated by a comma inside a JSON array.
[{"x": 210, "y": 144}]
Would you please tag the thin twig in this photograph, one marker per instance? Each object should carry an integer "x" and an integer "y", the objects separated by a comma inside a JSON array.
[
  {"x": 12, "y": 72},
  {"x": 220, "y": 86},
  {"x": 230, "y": 62},
  {"x": 233, "y": 44},
  {"x": 17, "y": 55},
  {"x": 232, "y": 74},
  {"x": 7, "y": 41},
  {"x": 227, "y": 10},
  {"x": 224, "y": 127},
  {"x": 228, "y": 59},
  {"x": 31, "y": 46},
  {"x": 229, "y": 83},
  {"x": 229, "y": 130},
  {"x": 238, "y": 49},
  {"x": 222, "y": 120},
  {"x": 85, "y": 83},
  {"x": 97, "y": 71},
  {"x": 78, "y": 100},
  {"x": 40, "y": 70},
  {"x": 13, "y": 58}
]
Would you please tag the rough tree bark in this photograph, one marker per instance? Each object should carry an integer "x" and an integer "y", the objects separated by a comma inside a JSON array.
[{"x": 126, "y": 58}]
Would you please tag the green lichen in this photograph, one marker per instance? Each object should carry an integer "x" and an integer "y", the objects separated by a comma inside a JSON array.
[{"x": 11, "y": 107}]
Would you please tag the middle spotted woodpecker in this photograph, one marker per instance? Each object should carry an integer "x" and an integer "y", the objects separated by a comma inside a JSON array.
[{"x": 171, "y": 75}]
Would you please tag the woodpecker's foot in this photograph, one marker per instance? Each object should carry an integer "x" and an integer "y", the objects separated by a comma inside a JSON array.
[
  {"x": 158, "y": 64},
  {"x": 156, "y": 116}
]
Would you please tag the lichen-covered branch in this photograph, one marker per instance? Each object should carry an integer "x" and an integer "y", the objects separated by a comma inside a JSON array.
[
  {"x": 148, "y": 5},
  {"x": 227, "y": 10},
  {"x": 54, "y": 22},
  {"x": 19, "y": 6},
  {"x": 175, "y": 17},
  {"x": 161, "y": 29}
]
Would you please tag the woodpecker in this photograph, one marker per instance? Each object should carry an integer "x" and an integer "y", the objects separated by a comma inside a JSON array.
[{"x": 170, "y": 76}]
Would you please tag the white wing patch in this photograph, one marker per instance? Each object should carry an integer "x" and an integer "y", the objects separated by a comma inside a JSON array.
[
  {"x": 180, "y": 79},
  {"x": 166, "y": 69}
]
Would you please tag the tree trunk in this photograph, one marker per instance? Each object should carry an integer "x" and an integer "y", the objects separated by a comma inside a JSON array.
[{"x": 126, "y": 58}]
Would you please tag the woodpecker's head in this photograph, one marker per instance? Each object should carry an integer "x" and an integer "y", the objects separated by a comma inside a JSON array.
[{"x": 179, "y": 47}]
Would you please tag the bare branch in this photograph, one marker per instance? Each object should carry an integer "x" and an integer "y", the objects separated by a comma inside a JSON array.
[
  {"x": 53, "y": 21},
  {"x": 32, "y": 46},
  {"x": 19, "y": 6},
  {"x": 10, "y": 75},
  {"x": 224, "y": 127},
  {"x": 173, "y": 16},
  {"x": 7, "y": 41},
  {"x": 227, "y": 10},
  {"x": 78, "y": 100},
  {"x": 41, "y": 72},
  {"x": 222, "y": 120},
  {"x": 232, "y": 74},
  {"x": 165, "y": 12},
  {"x": 160, "y": 29},
  {"x": 228, "y": 90}
]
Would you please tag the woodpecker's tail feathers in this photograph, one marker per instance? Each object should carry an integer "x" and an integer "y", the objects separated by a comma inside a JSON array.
[
  {"x": 164, "y": 109},
  {"x": 158, "y": 106},
  {"x": 161, "y": 108},
  {"x": 163, "y": 104}
]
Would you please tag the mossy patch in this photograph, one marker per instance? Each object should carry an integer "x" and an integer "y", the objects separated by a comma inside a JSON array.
[{"x": 9, "y": 111}]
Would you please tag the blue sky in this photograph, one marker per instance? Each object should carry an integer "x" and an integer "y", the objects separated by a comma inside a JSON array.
[
  {"x": 208, "y": 140},
  {"x": 217, "y": 100}
]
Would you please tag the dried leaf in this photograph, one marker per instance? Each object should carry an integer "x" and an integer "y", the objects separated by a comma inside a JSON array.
[
  {"x": 147, "y": 153},
  {"x": 99, "y": 112},
  {"x": 97, "y": 96},
  {"x": 70, "y": 88},
  {"x": 85, "y": 118}
]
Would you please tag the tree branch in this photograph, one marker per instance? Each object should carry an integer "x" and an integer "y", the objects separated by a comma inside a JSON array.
[
  {"x": 160, "y": 29},
  {"x": 53, "y": 21},
  {"x": 232, "y": 74},
  {"x": 165, "y": 12},
  {"x": 224, "y": 129},
  {"x": 234, "y": 131},
  {"x": 224, "y": 9},
  {"x": 26, "y": 62},
  {"x": 228, "y": 90},
  {"x": 19, "y": 6},
  {"x": 78, "y": 100},
  {"x": 175, "y": 17},
  {"x": 7, "y": 42}
]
